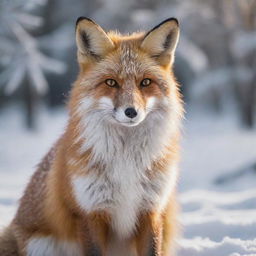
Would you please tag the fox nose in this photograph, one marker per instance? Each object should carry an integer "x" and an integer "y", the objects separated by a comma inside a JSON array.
[{"x": 130, "y": 112}]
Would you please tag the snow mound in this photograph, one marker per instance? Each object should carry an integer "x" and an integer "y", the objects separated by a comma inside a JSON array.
[
  {"x": 199, "y": 246},
  {"x": 217, "y": 223}
]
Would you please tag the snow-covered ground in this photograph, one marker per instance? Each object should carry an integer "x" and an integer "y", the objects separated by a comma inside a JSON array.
[{"x": 217, "y": 183}]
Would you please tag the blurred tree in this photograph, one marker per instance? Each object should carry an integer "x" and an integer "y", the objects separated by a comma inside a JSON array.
[
  {"x": 22, "y": 63},
  {"x": 230, "y": 46},
  {"x": 247, "y": 56}
]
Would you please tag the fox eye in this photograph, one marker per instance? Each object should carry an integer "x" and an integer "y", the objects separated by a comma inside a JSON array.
[
  {"x": 145, "y": 82},
  {"x": 111, "y": 82}
]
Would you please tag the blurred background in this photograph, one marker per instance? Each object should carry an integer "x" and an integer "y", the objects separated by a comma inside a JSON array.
[{"x": 216, "y": 67}]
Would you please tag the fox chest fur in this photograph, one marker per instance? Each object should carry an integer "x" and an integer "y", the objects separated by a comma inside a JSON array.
[{"x": 122, "y": 180}]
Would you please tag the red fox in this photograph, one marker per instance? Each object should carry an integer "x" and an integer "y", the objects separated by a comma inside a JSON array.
[{"x": 107, "y": 187}]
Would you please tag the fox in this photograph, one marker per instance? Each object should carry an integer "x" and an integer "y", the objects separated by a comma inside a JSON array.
[{"x": 108, "y": 185}]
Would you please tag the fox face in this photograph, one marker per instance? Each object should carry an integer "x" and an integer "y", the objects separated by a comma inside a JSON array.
[
  {"x": 125, "y": 79},
  {"x": 128, "y": 101}
]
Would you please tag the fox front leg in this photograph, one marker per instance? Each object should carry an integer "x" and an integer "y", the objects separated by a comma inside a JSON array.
[{"x": 149, "y": 236}]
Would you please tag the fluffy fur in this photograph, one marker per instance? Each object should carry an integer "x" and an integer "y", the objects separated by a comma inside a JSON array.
[{"x": 109, "y": 182}]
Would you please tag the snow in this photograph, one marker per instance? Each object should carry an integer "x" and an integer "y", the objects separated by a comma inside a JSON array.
[
  {"x": 218, "y": 218},
  {"x": 228, "y": 246}
]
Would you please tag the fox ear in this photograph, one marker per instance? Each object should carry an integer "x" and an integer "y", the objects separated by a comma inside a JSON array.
[
  {"x": 92, "y": 41},
  {"x": 161, "y": 41}
]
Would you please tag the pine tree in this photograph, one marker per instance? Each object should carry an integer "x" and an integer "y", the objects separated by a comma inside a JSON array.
[{"x": 23, "y": 65}]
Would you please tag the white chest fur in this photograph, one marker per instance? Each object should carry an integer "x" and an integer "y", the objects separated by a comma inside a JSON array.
[
  {"x": 122, "y": 186},
  {"x": 123, "y": 192},
  {"x": 42, "y": 246}
]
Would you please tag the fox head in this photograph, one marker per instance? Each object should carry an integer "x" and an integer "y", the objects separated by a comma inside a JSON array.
[{"x": 125, "y": 79}]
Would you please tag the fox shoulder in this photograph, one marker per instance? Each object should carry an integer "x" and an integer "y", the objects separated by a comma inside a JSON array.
[{"x": 30, "y": 209}]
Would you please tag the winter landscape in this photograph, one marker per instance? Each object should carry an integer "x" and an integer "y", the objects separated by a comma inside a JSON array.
[
  {"x": 217, "y": 185},
  {"x": 218, "y": 202}
]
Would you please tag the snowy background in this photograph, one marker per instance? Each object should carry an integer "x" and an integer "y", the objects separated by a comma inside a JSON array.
[{"x": 216, "y": 63}]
